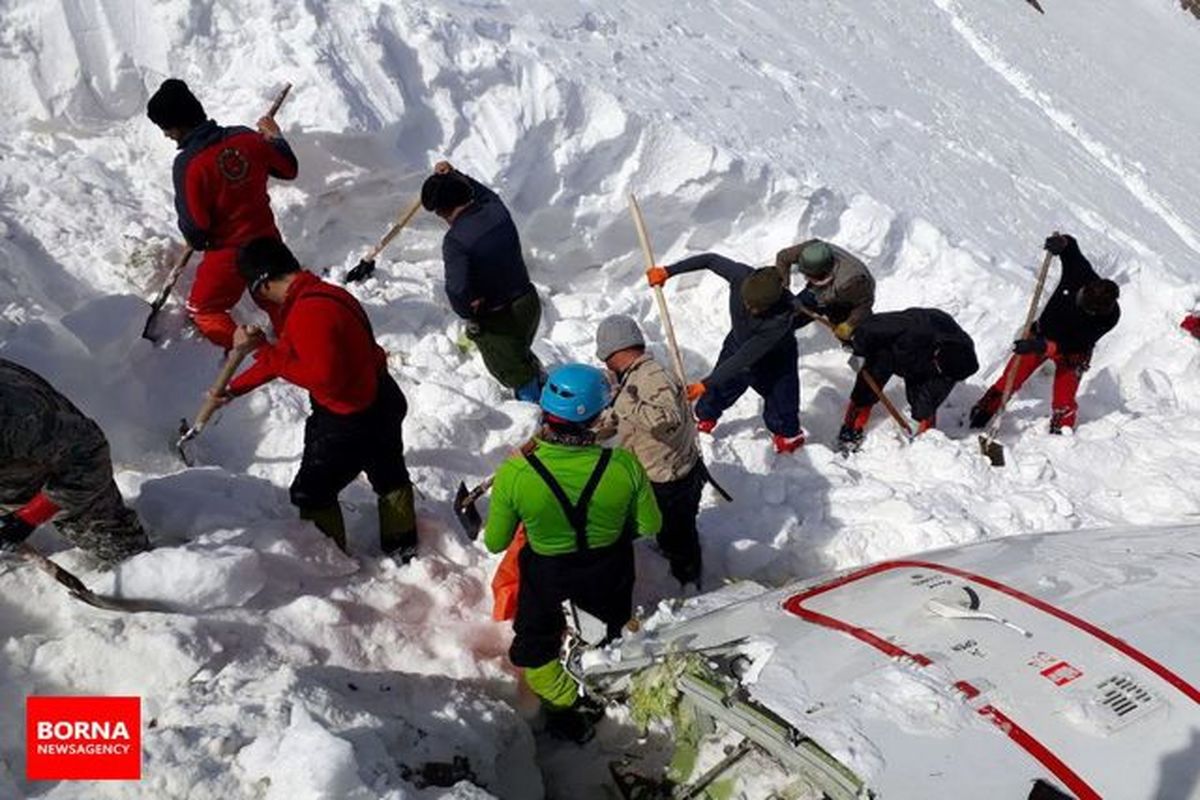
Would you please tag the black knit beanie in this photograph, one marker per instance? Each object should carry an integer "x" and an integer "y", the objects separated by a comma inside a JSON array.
[
  {"x": 174, "y": 106},
  {"x": 445, "y": 192}
]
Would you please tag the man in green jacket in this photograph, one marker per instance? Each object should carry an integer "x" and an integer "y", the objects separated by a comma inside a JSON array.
[{"x": 581, "y": 505}]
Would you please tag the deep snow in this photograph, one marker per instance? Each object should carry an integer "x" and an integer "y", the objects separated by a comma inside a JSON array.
[{"x": 942, "y": 139}]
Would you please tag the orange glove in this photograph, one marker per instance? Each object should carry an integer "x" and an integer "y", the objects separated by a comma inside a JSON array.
[
  {"x": 657, "y": 276},
  {"x": 695, "y": 391}
]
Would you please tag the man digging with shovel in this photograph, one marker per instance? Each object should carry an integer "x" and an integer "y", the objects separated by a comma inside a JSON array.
[
  {"x": 326, "y": 345},
  {"x": 1082, "y": 309}
]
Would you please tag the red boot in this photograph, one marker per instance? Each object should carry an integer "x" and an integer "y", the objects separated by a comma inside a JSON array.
[{"x": 787, "y": 444}]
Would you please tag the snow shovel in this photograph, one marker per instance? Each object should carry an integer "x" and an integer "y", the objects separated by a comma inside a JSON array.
[
  {"x": 987, "y": 440},
  {"x": 85, "y": 595},
  {"x": 150, "y": 330},
  {"x": 868, "y": 379},
  {"x": 366, "y": 265},
  {"x": 465, "y": 510},
  {"x": 464, "y": 500},
  {"x": 210, "y": 405}
]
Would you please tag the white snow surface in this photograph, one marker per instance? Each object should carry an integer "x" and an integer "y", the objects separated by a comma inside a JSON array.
[{"x": 941, "y": 139}]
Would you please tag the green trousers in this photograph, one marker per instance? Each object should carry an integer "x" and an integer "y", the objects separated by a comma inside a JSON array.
[{"x": 505, "y": 338}]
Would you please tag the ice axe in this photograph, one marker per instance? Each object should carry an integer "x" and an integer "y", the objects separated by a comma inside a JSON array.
[
  {"x": 149, "y": 330},
  {"x": 987, "y": 440},
  {"x": 211, "y": 403},
  {"x": 867, "y": 377},
  {"x": 366, "y": 265}
]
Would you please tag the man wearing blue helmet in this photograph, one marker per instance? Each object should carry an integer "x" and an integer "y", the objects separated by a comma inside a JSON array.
[{"x": 581, "y": 505}]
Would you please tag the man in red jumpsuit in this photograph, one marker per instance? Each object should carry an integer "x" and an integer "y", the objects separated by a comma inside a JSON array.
[{"x": 221, "y": 198}]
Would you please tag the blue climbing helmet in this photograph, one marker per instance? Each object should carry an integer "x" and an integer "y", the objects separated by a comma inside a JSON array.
[{"x": 575, "y": 392}]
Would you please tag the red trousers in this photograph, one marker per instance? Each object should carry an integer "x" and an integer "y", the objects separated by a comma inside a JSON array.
[
  {"x": 217, "y": 289},
  {"x": 1068, "y": 370}
]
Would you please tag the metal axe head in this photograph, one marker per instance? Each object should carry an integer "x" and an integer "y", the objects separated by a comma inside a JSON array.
[{"x": 468, "y": 515}]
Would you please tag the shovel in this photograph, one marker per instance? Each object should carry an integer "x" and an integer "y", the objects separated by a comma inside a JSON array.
[
  {"x": 992, "y": 449},
  {"x": 366, "y": 265},
  {"x": 150, "y": 329},
  {"x": 465, "y": 510},
  {"x": 77, "y": 590},
  {"x": 211, "y": 403}
]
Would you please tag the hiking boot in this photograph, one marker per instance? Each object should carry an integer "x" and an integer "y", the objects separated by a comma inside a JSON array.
[
  {"x": 398, "y": 524},
  {"x": 787, "y": 444},
  {"x": 705, "y": 425},
  {"x": 850, "y": 439},
  {"x": 686, "y": 570},
  {"x": 571, "y": 724},
  {"x": 329, "y": 521}
]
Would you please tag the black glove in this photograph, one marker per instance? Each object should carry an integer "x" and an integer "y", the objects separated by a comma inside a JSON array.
[
  {"x": 13, "y": 531},
  {"x": 1034, "y": 346},
  {"x": 361, "y": 271},
  {"x": 1056, "y": 244},
  {"x": 473, "y": 329}
]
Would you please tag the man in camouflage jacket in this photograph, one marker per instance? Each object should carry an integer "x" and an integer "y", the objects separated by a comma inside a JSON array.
[
  {"x": 652, "y": 419},
  {"x": 54, "y": 464}
]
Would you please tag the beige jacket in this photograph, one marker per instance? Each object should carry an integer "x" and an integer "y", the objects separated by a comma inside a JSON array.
[{"x": 651, "y": 418}]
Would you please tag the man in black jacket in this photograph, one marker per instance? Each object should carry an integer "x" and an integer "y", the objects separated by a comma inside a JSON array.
[
  {"x": 486, "y": 279},
  {"x": 924, "y": 346},
  {"x": 759, "y": 352},
  {"x": 1082, "y": 309}
]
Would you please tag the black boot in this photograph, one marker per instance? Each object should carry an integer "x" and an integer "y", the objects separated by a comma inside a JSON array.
[
  {"x": 850, "y": 439},
  {"x": 576, "y": 723}
]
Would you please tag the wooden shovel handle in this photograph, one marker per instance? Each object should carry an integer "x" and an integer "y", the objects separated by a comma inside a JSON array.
[
  {"x": 210, "y": 405},
  {"x": 401, "y": 222},
  {"x": 279, "y": 98},
  {"x": 660, "y": 298}
]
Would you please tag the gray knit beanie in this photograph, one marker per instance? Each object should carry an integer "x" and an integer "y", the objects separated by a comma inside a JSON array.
[{"x": 617, "y": 333}]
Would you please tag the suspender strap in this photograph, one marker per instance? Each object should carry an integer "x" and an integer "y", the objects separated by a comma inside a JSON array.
[{"x": 576, "y": 513}]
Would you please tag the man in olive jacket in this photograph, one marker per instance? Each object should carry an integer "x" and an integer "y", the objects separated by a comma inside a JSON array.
[
  {"x": 581, "y": 505},
  {"x": 651, "y": 418},
  {"x": 840, "y": 287}
]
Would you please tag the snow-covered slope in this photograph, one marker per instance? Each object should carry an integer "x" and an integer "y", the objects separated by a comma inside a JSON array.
[{"x": 943, "y": 139}]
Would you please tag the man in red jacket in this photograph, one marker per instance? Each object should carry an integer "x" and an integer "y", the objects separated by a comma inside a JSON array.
[
  {"x": 326, "y": 345},
  {"x": 221, "y": 198}
]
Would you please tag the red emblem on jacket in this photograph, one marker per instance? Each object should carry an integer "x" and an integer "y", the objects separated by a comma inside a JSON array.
[{"x": 233, "y": 164}]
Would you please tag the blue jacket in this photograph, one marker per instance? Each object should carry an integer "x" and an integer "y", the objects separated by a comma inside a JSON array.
[
  {"x": 482, "y": 253},
  {"x": 758, "y": 339}
]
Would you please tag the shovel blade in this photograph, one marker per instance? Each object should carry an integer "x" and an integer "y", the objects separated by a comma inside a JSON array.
[
  {"x": 993, "y": 450},
  {"x": 468, "y": 515}
]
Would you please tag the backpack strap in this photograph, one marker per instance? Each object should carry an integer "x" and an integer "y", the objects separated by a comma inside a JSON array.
[{"x": 576, "y": 513}]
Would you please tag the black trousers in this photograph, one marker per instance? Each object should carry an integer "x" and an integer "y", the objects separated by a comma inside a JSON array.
[
  {"x": 598, "y": 581},
  {"x": 679, "y": 501},
  {"x": 337, "y": 447}
]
